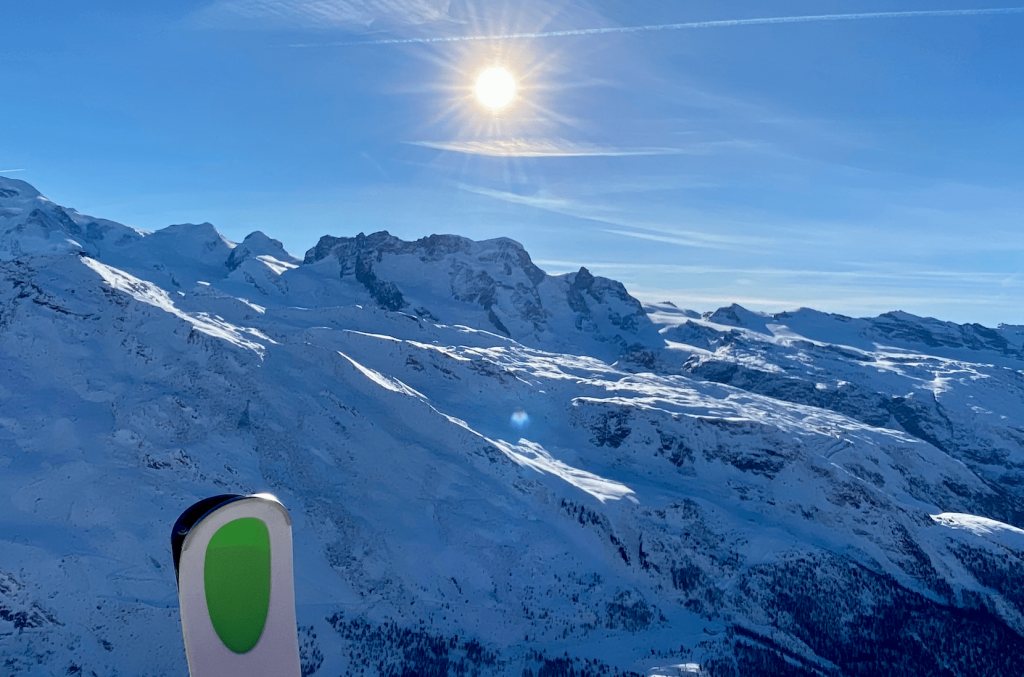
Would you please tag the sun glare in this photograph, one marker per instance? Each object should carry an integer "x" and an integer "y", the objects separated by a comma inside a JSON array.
[{"x": 495, "y": 88}]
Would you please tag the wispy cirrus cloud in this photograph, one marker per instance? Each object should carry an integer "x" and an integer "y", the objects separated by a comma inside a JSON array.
[
  {"x": 627, "y": 224},
  {"x": 969, "y": 295},
  {"x": 690, "y": 238},
  {"x": 540, "y": 201},
  {"x": 545, "y": 148},
  {"x": 838, "y": 276},
  {"x": 859, "y": 303},
  {"x": 725, "y": 23},
  {"x": 321, "y": 13}
]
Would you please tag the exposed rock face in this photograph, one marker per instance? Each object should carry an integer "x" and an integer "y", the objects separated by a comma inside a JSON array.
[
  {"x": 386, "y": 294},
  {"x": 493, "y": 285},
  {"x": 907, "y": 328},
  {"x": 895, "y": 371}
]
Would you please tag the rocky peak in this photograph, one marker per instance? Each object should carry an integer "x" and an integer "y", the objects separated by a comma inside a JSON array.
[
  {"x": 903, "y": 327},
  {"x": 344, "y": 248},
  {"x": 257, "y": 244},
  {"x": 492, "y": 285},
  {"x": 14, "y": 189}
]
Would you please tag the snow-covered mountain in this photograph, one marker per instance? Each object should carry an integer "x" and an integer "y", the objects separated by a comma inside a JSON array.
[{"x": 492, "y": 470}]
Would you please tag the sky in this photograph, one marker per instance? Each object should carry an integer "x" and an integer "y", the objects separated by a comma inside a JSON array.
[{"x": 855, "y": 157}]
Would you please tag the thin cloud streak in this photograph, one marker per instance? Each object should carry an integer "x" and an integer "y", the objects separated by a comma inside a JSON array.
[
  {"x": 854, "y": 305},
  {"x": 552, "y": 203},
  {"x": 541, "y": 148},
  {"x": 687, "y": 239},
  {"x": 8, "y": 171},
  {"x": 974, "y": 277},
  {"x": 569, "y": 207},
  {"x": 320, "y": 13},
  {"x": 683, "y": 26}
]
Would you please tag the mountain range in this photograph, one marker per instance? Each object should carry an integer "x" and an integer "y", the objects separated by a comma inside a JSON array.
[{"x": 492, "y": 470}]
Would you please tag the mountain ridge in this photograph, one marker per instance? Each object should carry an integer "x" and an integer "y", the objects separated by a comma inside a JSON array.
[{"x": 602, "y": 488}]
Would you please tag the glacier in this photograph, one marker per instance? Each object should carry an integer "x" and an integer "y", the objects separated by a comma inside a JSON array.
[{"x": 718, "y": 493}]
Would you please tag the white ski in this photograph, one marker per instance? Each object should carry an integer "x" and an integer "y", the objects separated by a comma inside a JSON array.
[{"x": 233, "y": 562}]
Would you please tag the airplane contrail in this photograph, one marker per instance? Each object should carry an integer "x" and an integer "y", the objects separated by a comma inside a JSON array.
[
  {"x": 683, "y": 26},
  {"x": 7, "y": 171}
]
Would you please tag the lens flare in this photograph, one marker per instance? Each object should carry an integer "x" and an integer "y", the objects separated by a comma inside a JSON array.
[{"x": 520, "y": 418}]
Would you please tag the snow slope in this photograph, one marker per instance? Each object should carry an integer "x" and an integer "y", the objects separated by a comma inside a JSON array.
[{"x": 492, "y": 470}]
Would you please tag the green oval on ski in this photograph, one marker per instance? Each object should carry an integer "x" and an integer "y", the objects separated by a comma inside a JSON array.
[{"x": 237, "y": 580}]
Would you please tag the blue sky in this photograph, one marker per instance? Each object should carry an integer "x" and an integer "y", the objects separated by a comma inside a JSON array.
[{"x": 855, "y": 166}]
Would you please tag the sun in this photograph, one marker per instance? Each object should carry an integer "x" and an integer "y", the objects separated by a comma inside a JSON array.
[{"x": 495, "y": 88}]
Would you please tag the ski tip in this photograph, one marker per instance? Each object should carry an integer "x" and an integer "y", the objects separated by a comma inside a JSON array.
[
  {"x": 234, "y": 572},
  {"x": 188, "y": 519},
  {"x": 200, "y": 509}
]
